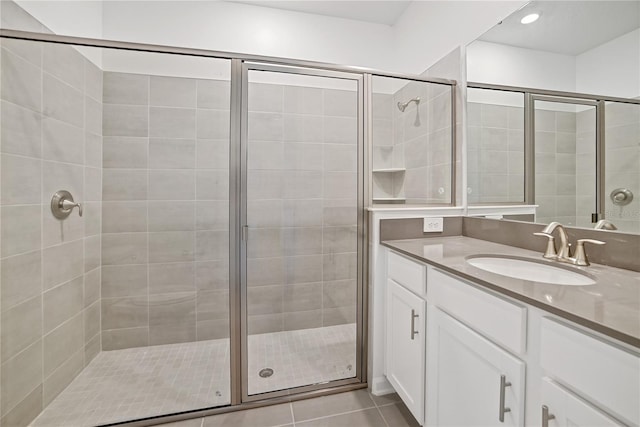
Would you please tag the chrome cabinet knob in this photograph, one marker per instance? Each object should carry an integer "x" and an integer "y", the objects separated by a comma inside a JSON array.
[{"x": 62, "y": 204}]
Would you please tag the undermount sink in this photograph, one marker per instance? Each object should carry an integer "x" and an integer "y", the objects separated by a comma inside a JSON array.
[{"x": 528, "y": 269}]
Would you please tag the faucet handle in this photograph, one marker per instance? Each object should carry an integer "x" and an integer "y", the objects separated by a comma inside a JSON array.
[
  {"x": 550, "y": 251},
  {"x": 581, "y": 254}
]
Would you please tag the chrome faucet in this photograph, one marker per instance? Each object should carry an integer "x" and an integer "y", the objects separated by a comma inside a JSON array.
[
  {"x": 565, "y": 247},
  {"x": 563, "y": 254},
  {"x": 605, "y": 224}
]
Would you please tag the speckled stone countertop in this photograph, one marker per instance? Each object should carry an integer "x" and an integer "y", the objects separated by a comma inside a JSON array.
[{"x": 611, "y": 306}]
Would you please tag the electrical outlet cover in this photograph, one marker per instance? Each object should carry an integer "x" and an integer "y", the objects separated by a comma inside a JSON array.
[{"x": 433, "y": 225}]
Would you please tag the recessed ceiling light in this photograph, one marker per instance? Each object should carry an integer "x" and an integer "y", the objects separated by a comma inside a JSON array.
[{"x": 532, "y": 17}]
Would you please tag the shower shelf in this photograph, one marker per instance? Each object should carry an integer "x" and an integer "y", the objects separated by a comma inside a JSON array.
[{"x": 389, "y": 170}]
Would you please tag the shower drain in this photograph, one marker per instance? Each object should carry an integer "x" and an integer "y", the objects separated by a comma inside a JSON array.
[{"x": 265, "y": 373}]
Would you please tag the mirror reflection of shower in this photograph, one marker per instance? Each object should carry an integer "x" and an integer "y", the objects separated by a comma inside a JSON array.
[{"x": 403, "y": 106}]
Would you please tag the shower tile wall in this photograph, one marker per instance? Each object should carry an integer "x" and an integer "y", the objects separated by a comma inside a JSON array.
[
  {"x": 50, "y": 269},
  {"x": 496, "y": 160},
  {"x": 495, "y": 153},
  {"x": 302, "y": 187},
  {"x": 622, "y": 142},
  {"x": 384, "y": 156},
  {"x": 585, "y": 167},
  {"x": 421, "y": 147},
  {"x": 558, "y": 152},
  {"x": 424, "y": 143},
  {"x": 165, "y": 210}
]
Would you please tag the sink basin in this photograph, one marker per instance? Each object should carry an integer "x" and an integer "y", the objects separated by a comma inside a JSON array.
[{"x": 528, "y": 269}]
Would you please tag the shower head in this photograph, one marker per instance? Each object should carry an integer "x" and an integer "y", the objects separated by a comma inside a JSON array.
[{"x": 403, "y": 105}]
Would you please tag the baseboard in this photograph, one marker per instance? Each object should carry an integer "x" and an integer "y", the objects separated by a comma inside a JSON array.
[{"x": 380, "y": 386}]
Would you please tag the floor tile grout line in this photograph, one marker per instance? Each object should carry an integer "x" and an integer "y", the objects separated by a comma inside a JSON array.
[
  {"x": 382, "y": 416},
  {"x": 293, "y": 415},
  {"x": 339, "y": 413},
  {"x": 388, "y": 404}
]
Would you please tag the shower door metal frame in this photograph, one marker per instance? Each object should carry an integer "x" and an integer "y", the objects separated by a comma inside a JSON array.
[
  {"x": 362, "y": 170},
  {"x": 530, "y": 144}
]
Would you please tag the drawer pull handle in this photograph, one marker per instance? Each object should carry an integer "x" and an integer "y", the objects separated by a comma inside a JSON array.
[
  {"x": 413, "y": 324},
  {"x": 503, "y": 385},
  {"x": 546, "y": 416}
]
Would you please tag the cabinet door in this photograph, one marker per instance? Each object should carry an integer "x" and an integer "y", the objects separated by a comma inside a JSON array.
[
  {"x": 470, "y": 381},
  {"x": 567, "y": 410},
  {"x": 405, "y": 356}
]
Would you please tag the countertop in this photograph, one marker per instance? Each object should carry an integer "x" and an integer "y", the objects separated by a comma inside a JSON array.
[{"x": 611, "y": 306}]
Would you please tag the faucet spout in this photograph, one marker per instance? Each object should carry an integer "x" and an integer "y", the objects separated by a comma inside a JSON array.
[
  {"x": 605, "y": 224},
  {"x": 564, "y": 252}
]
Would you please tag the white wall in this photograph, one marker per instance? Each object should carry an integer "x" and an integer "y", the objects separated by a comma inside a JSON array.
[
  {"x": 612, "y": 68},
  {"x": 244, "y": 28},
  {"x": 77, "y": 18},
  {"x": 514, "y": 66},
  {"x": 429, "y": 30}
]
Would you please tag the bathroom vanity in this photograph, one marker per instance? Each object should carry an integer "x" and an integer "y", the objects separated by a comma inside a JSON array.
[{"x": 468, "y": 347}]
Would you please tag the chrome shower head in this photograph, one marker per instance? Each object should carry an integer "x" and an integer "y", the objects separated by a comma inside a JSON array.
[{"x": 403, "y": 105}]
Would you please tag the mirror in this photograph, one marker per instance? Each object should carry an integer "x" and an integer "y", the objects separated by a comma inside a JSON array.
[{"x": 535, "y": 135}]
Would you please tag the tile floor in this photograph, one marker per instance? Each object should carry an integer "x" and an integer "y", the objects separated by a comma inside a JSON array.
[
  {"x": 306, "y": 356},
  {"x": 351, "y": 409},
  {"x": 135, "y": 383}
]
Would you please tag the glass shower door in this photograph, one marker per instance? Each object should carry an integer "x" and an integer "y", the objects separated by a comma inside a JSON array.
[
  {"x": 566, "y": 155},
  {"x": 302, "y": 252}
]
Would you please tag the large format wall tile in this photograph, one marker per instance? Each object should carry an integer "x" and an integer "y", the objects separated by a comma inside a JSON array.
[
  {"x": 21, "y": 228},
  {"x": 51, "y": 139},
  {"x": 172, "y": 92},
  {"x": 20, "y": 376},
  {"x": 165, "y": 215},
  {"x": 61, "y": 101},
  {"x": 21, "y": 82},
  {"x": 21, "y": 130},
  {"x": 121, "y": 88},
  {"x": 21, "y": 327}
]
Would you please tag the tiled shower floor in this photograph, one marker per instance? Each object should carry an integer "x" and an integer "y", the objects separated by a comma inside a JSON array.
[{"x": 135, "y": 383}]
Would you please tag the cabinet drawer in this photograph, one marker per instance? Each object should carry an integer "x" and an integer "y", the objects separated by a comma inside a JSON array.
[
  {"x": 496, "y": 318},
  {"x": 604, "y": 373},
  {"x": 410, "y": 274},
  {"x": 569, "y": 410}
]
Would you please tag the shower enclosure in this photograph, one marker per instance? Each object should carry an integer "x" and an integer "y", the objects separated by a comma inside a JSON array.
[{"x": 212, "y": 247}]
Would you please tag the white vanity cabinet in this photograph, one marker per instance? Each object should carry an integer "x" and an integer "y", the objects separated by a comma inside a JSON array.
[
  {"x": 491, "y": 360},
  {"x": 473, "y": 382},
  {"x": 406, "y": 337},
  {"x": 405, "y": 340},
  {"x": 601, "y": 372},
  {"x": 561, "y": 408}
]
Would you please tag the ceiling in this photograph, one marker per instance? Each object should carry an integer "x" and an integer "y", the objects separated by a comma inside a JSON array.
[
  {"x": 378, "y": 12},
  {"x": 567, "y": 27}
]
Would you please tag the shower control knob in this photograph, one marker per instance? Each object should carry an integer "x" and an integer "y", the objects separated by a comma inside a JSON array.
[
  {"x": 62, "y": 204},
  {"x": 621, "y": 196}
]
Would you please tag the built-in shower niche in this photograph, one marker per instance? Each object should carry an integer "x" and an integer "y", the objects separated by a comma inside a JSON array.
[{"x": 411, "y": 142}]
